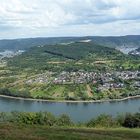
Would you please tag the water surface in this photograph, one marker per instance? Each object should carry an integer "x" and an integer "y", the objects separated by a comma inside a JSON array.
[{"x": 77, "y": 111}]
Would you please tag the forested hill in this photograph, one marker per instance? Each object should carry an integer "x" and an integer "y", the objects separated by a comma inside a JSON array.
[
  {"x": 16, "y": 44},
  {"x": 75, "y": 51},
  {"x": 80, "y": 50},
  {"x": 40, "y": 56}
]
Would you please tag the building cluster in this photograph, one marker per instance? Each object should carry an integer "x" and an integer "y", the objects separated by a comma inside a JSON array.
[
  {"x": 126, "y": 75},
  {"x": 41, "y": 78},
  {"x": 135, "y": 53},
  {"x": 75, "y": 77},
  {"x": 10, "y": 54},
  {"x": 104, "y": 81},
  {"x": 86, "y": 77}
]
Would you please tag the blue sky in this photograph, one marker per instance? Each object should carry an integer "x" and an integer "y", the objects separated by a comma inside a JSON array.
[{"x": 47, "y": 18}]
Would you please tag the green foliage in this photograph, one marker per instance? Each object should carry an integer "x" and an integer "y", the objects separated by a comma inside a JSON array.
[
  {"x": 45, "y": 118},
  {"x": 132, "y": 120},
  {"x": 37, "y": 57},
  {"x": 15, "y": 93},
  {"x": 64, "y": 120},
  {"x": 102, "y": 121}
]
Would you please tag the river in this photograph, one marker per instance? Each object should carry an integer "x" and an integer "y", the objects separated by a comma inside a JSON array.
[{"x": 77, "y": 111}]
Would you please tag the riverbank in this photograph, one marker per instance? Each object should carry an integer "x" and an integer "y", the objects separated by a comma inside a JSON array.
[{"x": 69, "y": 101}]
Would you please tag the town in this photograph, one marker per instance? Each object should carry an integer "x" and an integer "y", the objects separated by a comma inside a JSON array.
[
  {"x": 10, "y": 54},
  {"x": 107, "y": 80}
]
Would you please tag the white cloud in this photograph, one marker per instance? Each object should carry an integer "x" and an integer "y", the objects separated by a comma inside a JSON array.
[{"x": 68, "y": 17}]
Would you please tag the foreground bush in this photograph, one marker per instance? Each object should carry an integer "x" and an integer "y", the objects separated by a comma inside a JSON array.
[
  {"x": 102, "y": 121},
  {"x": 45, "y": 118},
  {"x": 132, "y": 120}
]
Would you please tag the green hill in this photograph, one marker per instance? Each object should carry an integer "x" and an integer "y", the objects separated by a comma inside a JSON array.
[
  {"x": 80, "y": 50},
  {"x": 40, "y": 56}
]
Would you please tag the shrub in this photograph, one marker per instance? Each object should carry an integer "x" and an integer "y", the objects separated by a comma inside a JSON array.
[
  {"x": 64, "y": 120},
  {"x": 132, "y": 120},
  {"x": 102, "y": 121}
]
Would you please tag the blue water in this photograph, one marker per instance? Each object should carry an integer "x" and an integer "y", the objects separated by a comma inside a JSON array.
[{"x": 77, "y": 111}]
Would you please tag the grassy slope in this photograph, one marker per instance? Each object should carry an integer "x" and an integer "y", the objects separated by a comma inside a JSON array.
[{"x": 22, "y": 132}]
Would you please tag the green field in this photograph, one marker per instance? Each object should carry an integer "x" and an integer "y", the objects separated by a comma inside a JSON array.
[{"x": 35, "y": 132}]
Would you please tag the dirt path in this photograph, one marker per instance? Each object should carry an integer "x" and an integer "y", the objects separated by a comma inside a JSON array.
[
  {"x": 89, "y": 91},
  {"x": 56, "y": 62}
]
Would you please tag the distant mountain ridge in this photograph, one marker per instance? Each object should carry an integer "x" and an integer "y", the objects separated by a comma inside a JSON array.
[
  {"x": 23, "y": 44},
  {"x": 110, "y": 41},
  {"x": 118, "y": 41}
]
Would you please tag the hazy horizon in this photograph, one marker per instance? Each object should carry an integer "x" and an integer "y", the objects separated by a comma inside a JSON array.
[{"x": 68, "y": 36}]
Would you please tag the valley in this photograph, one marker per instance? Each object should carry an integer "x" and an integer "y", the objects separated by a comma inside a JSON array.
[{"x": 69, "y": 70}]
